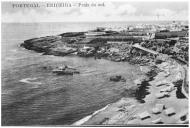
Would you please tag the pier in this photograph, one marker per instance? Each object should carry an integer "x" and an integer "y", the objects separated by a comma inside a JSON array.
[{"x": 145, "y": 49}]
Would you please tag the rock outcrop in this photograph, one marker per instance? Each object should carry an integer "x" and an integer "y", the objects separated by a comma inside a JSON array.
[
  {"x": 49, "y": 45},
  {"x": 117, "y": 78}
]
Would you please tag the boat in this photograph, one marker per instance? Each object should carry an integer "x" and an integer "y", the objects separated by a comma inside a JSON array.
[{"x": 65, "y": 70}]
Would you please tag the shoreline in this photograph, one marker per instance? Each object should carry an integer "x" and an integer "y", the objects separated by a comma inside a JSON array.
[
  {"x": 87, "y": 118},
  {"x": 115, "y": 113},
  {"x": 122, "y": 118},
  {"x": 83, "y": 120}
]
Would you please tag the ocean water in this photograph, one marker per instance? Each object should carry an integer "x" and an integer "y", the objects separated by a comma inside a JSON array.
[{"x": 32, "y": 95}]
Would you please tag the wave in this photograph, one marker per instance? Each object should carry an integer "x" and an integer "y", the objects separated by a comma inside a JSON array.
[
  {"x": 83, "y": 120},
  {"x": 11, "y": 58},
  {"x": 30, "y": 81}
]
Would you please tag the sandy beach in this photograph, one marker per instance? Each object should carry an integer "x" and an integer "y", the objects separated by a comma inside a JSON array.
[{"x": 130, "y": 112}]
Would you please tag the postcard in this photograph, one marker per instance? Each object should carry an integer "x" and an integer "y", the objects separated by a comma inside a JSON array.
[{"x": 94, "y": 63}]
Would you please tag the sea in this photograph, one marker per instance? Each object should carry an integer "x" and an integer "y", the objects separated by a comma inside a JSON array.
[{"x": 33, "y": 96}]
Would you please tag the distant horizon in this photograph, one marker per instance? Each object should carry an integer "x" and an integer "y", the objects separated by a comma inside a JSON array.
[{"x": 103, "y": 21}]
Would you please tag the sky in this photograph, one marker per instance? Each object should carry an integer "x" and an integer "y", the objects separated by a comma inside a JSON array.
[{"x": 111, "y": 11}]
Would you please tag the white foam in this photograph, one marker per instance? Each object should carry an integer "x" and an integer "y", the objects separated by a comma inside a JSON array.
[
  {"x": 83, "y": 120},
  {"x": 13, "y": 50},
  {"x": 29, "y": 81}
]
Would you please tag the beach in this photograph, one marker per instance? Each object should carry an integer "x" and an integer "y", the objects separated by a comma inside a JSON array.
[{"x": 127, "y": 111}]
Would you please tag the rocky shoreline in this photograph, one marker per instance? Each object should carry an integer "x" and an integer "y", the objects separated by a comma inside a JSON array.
[
  {"x": 160, "y": 83},
  {"x": 112, "y": 45},
  {"x": 129, "y": 111}
]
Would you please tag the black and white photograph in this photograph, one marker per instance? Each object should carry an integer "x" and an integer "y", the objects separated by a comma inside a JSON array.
[{"x": 84, "y": 63}]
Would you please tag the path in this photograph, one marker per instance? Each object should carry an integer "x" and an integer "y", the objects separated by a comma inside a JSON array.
[{"x": 145, "y": 49}]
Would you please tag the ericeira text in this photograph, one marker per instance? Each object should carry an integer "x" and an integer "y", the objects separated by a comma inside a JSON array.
[{"x": 58, "y": 5}]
